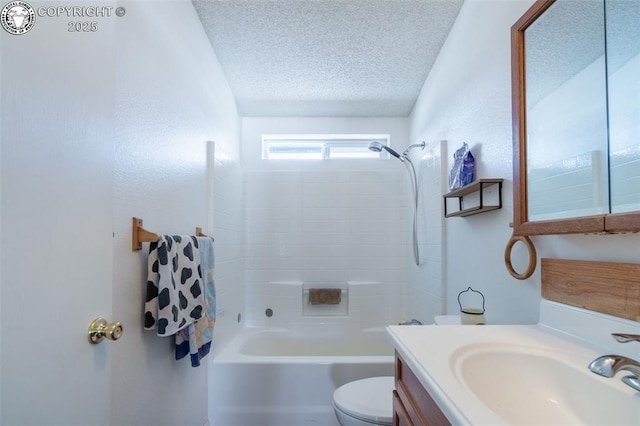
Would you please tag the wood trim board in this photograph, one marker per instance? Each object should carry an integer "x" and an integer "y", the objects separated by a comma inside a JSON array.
[{"x": 608, "y": 287}]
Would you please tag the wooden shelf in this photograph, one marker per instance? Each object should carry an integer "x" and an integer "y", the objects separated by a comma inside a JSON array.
[
  {"x": 471, "y": 211},
  {"x": 477, "y": 186}
]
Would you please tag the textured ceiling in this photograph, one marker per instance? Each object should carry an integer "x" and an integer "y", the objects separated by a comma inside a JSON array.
[{"x": 327, "y": 57}]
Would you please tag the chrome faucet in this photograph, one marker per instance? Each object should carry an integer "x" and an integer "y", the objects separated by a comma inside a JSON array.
[
  {"x": 625, "y": 338},
  {"x": 609, "y": 365}
]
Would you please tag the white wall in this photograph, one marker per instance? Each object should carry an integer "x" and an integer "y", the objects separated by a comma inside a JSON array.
[
  {"x": 467, "y": 98},
  {"x": 325, "y": 222},
  {"x": 172, "y": 99}
]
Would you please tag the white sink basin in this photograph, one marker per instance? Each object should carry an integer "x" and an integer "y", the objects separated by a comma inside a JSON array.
[{"x": 533, "y": 385}]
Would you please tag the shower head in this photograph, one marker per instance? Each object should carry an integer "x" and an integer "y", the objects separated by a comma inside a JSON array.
[{"x": 376, "y": 146}]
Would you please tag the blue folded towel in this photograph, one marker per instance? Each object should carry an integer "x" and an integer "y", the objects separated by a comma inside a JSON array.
[
  {"x": 174, "y": 285},
  {"x": 196, "y": 339}
]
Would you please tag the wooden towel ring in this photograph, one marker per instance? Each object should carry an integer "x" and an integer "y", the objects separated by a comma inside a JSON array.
[{"x": 532, "y": 257}]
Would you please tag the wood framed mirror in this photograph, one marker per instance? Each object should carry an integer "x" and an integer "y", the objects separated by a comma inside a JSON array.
[{"x": 576, "y": 104}]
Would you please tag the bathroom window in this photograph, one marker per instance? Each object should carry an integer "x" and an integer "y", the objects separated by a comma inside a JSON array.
[{"x": 319, "y": 147}]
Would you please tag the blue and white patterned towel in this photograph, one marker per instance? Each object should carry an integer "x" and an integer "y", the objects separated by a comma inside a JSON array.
[
  {"x": 174, "y": 285},
  {"x": 197, "y": 338}
]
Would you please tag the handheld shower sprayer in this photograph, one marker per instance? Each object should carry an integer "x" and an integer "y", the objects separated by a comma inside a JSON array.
[{"x": 376, "y": 146}]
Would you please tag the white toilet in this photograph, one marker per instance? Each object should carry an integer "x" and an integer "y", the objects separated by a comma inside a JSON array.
[
  {"x": 368, "y": 402},
  {"x": 365, "y": 402}
]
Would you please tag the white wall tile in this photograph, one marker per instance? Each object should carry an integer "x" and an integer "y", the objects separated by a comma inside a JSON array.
[{"x": 342, "y": 220}]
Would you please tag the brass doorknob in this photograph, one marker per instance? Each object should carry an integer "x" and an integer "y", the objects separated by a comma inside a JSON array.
[{"x": 99, "y": 329}]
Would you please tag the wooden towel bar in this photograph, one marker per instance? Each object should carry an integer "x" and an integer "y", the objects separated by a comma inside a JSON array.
[{"x": 141, "y": 235}]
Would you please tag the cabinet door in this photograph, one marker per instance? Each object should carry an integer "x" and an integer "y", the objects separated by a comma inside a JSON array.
[
  {"x": 56, "y": 221},
  {"x": 418, "y": 405},
  {"x": 400, "y": 416}
]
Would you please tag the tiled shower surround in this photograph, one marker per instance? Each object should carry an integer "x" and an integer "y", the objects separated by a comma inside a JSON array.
[
  {"x": 349, "y": 221},
  {"x": 325, "y": 228}
]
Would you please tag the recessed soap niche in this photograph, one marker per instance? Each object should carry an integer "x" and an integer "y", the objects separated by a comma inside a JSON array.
[
  {"x": 333, "y": 309},
  {"x": 362, "y": 304}
]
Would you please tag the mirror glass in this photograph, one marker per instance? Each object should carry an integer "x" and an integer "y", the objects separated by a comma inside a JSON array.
[
  {"x": 566, "y": 112},
  {"x": 623, "y": 72}
]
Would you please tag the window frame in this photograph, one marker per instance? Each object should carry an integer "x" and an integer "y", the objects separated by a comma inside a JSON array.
[{"x": 326, "y": 145}]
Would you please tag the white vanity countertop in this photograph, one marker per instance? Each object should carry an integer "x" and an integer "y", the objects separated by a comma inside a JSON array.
[
  {"x": 435, "y": 353},
  {"x": 431, "y": 351}
]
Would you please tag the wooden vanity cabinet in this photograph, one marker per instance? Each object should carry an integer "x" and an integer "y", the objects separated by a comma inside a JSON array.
[{"x": 412, "y": 404}]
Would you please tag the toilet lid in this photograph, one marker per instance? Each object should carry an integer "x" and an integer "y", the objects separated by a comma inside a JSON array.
[{"x": 367, "y": 399}]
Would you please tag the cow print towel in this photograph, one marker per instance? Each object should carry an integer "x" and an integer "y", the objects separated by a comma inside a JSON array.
[{"x": 174, "y": 290}]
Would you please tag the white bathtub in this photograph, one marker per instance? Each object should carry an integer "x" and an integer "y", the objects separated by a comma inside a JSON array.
[{"x": 277, "y": 377}]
